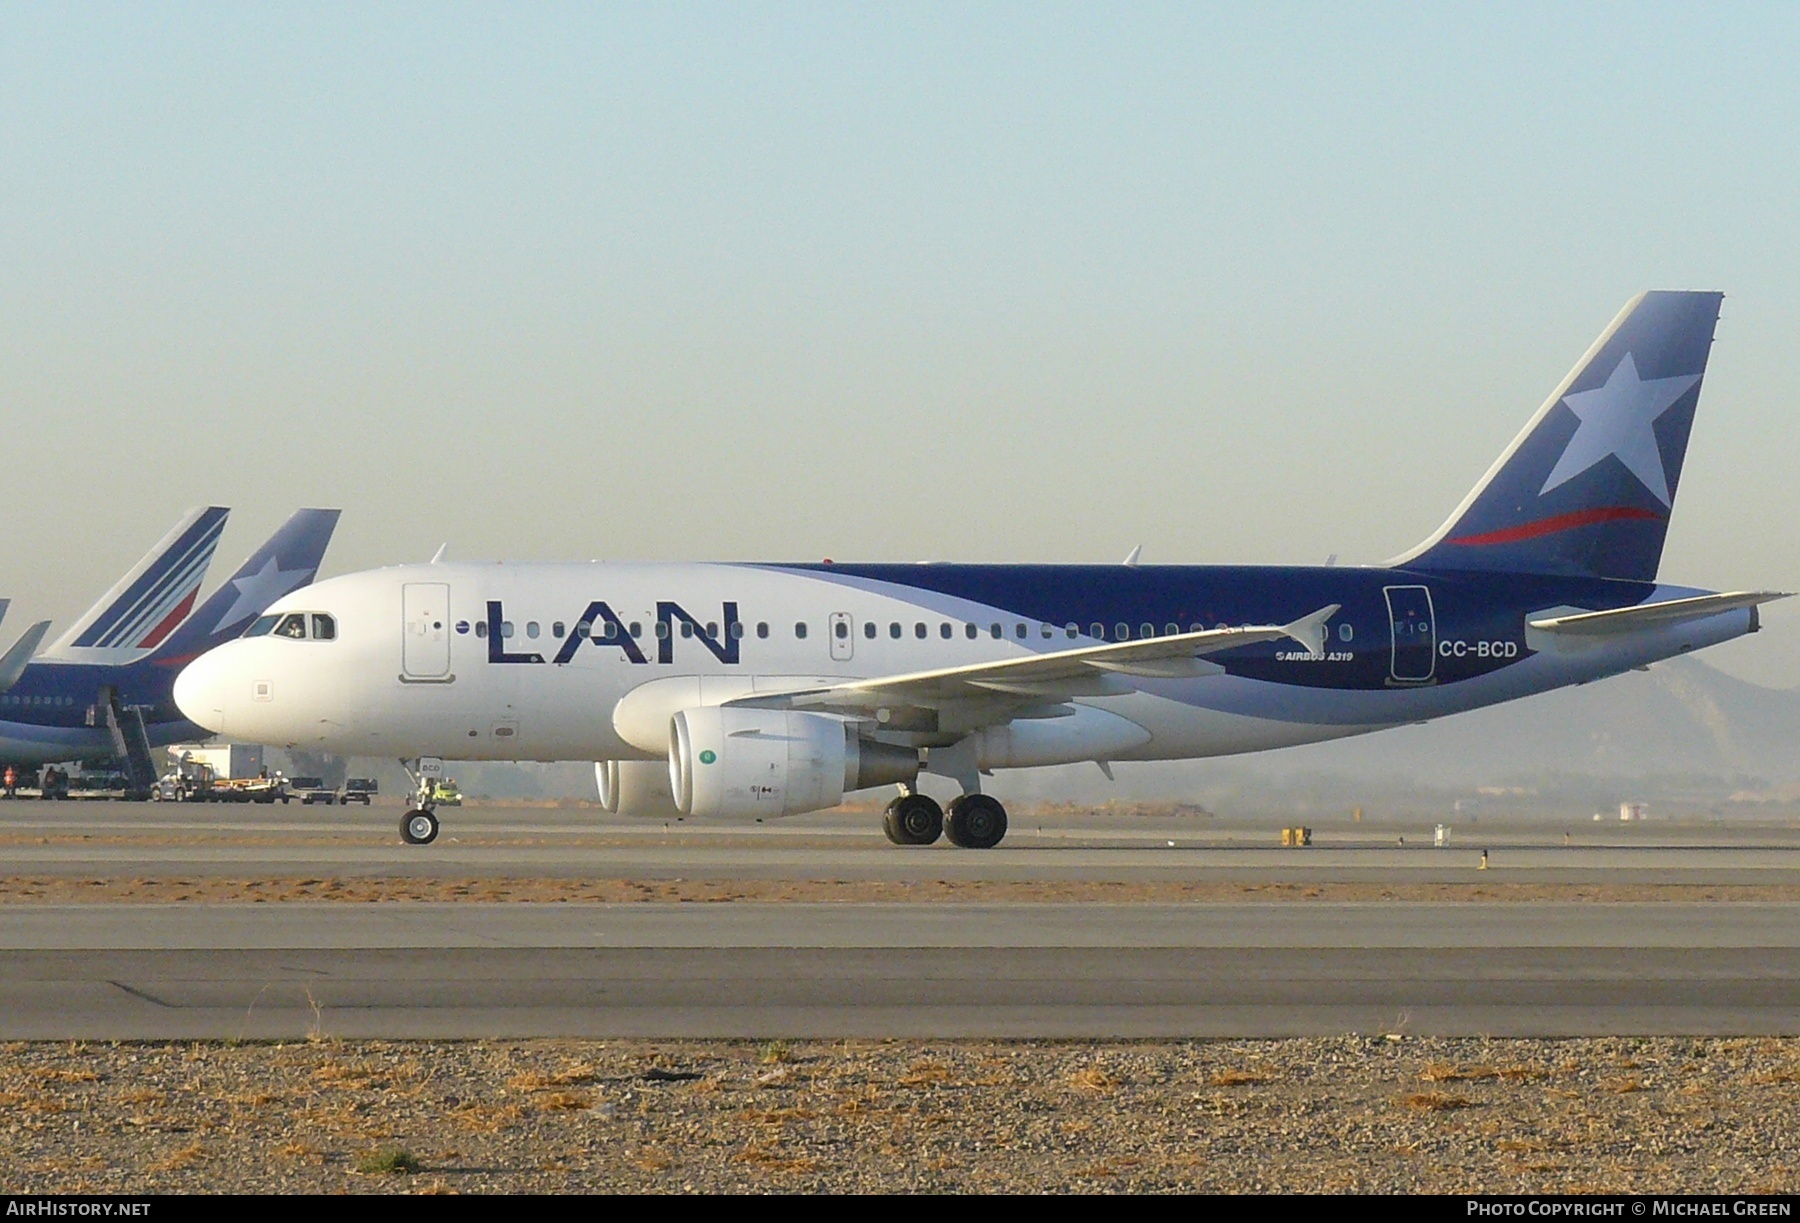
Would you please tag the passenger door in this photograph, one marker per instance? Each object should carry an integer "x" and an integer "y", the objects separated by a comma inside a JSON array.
[
  {"x": 1413, "y": 628},
  {"x": 425, "y": 632}
]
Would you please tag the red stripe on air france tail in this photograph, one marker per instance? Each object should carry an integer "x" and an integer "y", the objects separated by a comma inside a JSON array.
[
  {"x": 169, "y": 621},
  {"x": 1561, "y": 522}
]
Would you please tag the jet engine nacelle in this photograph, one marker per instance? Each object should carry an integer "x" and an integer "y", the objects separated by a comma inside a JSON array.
[
  {"x": 727, "y": 763},
  {"x": 636, "y": 789}
]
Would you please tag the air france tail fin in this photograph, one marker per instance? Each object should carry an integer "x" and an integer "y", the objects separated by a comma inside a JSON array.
[
  {"x": 289, "y": 560},
  {"x": 154, "y": 596},
  {"x": 1587, "y": 488}
]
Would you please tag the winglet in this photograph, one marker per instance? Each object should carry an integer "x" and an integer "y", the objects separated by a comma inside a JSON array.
[
  {"x": 12, "y": 663},
  {"x": 1131, "y": 560},
  {"x": 437, "y": 558},
  {"x": 1309, "y": 631}
]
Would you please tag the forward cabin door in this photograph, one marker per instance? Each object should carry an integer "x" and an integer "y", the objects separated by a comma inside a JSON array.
[
  {"x": 425, "y": 636},
  {"x": 1413, "y": 625}
]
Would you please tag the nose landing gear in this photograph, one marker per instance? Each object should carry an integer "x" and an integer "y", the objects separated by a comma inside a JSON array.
[{"x": 419, "y": 826}]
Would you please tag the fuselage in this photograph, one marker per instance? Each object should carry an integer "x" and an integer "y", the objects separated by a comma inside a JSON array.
[
  {"x": 56, "y": 711},
  {"x": 587, "y": 661}
]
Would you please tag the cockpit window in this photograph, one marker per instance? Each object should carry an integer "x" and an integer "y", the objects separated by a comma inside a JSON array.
[
  {"x": 292, "y": 625},
  {"x": 261, "y": 626},
  {"x": 324, "y": 627}
]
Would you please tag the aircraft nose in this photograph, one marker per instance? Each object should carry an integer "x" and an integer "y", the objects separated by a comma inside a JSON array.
[{"x": 200, "y": 691}]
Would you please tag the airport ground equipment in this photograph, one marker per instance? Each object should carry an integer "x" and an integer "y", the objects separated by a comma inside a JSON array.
[
  {"x": 358, "y": 790},
  {"x": 310, "y": 790}
]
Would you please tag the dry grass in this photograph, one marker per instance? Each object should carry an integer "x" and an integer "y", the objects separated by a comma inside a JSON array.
[
  {"x": 1237, "y": 1078},
  {"x": 925, "y": 1074},
  {"x": 564, "y": 1102},
  {"x": 1436, "y": 1102},
  {"x": 1092, "y": 1079}
]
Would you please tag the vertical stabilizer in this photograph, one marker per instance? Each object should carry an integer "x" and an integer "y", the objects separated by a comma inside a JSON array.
[
  {"x": 155, "y": 595},
  {"x": 1587, "y": 488},
  {"x": 289, "y": 560}
]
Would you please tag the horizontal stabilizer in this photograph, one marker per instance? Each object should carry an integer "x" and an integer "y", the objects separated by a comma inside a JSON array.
[
  {"x": 1653, "y": 615},
  {"x": 13, "y": 662}
]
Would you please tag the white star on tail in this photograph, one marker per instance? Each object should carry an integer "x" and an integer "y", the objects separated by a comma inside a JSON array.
[
  {"x": 262, "y": 588},
  {"x": 1619, "y": 419}
]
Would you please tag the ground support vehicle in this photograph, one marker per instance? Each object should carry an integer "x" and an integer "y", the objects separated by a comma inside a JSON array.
[{"x": 359, "y": 790}]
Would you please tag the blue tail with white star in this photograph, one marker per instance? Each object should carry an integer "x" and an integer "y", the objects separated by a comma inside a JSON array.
[
  {"x": 1586, "y": 489},
  {"x": 289, "y": 560}
]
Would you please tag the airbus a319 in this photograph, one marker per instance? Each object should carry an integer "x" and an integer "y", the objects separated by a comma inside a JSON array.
[{"x": 742, "y": 691}]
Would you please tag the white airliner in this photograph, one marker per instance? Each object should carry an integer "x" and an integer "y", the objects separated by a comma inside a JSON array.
[{"x": 755, "y": 690}]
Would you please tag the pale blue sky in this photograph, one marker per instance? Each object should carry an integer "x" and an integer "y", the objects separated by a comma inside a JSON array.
[{"x": 1257, "y": 283}]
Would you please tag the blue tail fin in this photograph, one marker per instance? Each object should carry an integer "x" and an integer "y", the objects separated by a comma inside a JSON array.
[
  {"x": 289, "y": 560},
  {"x": 1587, "y": 488}
]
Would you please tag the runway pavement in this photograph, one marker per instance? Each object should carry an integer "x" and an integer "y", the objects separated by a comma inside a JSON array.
[
  {"x": 462, "y": 970},
  {"x": 468, "y": 969},
  {"x": 153, "y": 841}
]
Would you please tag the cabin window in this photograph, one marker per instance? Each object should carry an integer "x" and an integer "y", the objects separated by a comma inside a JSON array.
[
  {"x": 894, "y": 630},
  {"x": 583, "y": 627},
  {"x": 762, "y": 629},
  {"x": 325, "y": 627},
  {"x": 1070, "y": 630},
  {"x": 944, "y": 631},
  {"x": 1171, "y": 630},
  {"x": 611, "y": 630},
  {"x": 262, "y": 626},
  {"x": 970, "y": 631},
  {"x": 996, "y": 632},
  {"x": 637, "y": 629},
  {"x": 506, "y": 629},
  {"x": 1019, "y": 631},
  {"x": 481, "y": 628},
  {"x": 841, "y": 631},
  {"x": 662, "y": 630},
  {"x": 687, "y": 630},
  {"x": 1048, "y": 631},
  {"x": 1196, "y": 628},
  {"x": 800, "y": 629},
  {"x": 1097, "y": 632},
  {"x": 556, "y": 630},
  {"x": 869, "y": 629},
  {"x": 737, "y": 630},
  {"x": 712, "y": 630},
  {"x": 531, "y": 628},
  {"x": 1345, "y": 632},
  {"x": 292, "y": 625}
]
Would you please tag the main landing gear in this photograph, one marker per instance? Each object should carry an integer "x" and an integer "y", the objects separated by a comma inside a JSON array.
[{"x": 975, "y": 821}]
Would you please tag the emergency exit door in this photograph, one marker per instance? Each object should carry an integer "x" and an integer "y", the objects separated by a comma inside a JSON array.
[
  {"x": 1413, "y": 626},
  {"x": 843, "y": 636},
  {"x": 425, "y": 631}
]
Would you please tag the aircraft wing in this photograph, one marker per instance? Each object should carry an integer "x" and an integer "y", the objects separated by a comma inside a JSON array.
[
  {"x": 1006, "y": 689},
  {"x": 1653, "y": 615}
]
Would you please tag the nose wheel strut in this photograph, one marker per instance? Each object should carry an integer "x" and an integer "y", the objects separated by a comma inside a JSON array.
[{"x": 419, "y": 826}]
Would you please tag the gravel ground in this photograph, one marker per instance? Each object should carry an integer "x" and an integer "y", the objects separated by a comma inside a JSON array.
[
  {"x": 1340, "y": 1115},
  {"x": 53, "y": 889}
]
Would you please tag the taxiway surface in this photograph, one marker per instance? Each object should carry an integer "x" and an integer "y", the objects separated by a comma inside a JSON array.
[{"x": 469, "y": 969}]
